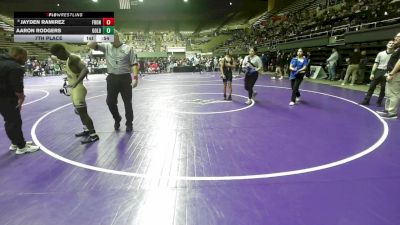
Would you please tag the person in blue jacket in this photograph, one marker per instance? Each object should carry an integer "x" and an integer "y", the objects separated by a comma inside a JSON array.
[{"x": 298, "y": 67}]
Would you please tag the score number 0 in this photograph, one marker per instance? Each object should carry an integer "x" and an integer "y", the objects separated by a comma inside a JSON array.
[{"x": 108, "y": 21}]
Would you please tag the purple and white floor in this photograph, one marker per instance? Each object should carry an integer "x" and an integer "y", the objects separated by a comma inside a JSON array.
[{"x": 194, "y": 159}]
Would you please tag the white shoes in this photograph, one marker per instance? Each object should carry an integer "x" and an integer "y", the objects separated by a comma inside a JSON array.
[
  {"x": 14, "y": 147},
  {"x": 273, "y": 78},
  {"x": 248, "y": 102},
  {"x": 295, "y": 102},
  {"x": 280, "y": 78},
  {"x": 29, "y": 147}
]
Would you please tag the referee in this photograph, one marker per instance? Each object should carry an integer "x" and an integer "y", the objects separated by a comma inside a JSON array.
[
  {"x": 12, "y": 97},
  {"x": 123, "y": 76},
  {"x": 378, "y": 74}
]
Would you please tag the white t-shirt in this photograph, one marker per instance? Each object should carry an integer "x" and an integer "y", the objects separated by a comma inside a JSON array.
[
  {"x": 382, "y": 59},
  {"x": 332, "y": 60},
  {"x": 255, "y": 60}
]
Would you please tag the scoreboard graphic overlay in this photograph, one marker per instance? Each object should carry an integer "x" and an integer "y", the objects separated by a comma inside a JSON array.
[{"x": 76, "y": 27}]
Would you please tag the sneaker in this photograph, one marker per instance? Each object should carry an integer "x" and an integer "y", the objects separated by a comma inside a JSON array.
[
  {"x": 273, "y": 78},
  {"x": 254, "y": 95},
  {"x": 248, "y": 102},
  {"x": 117, "y": 123},
  {"x": 224, "y": 97},
  {"x": 14, "y": 147},
  {"x": 298, "y": 99},
  {"x": 83, "y": 134},
  {"x": 382, "y": 112},
  {"x": 129, "y": 128},
  {"x": 291, "y": 103},
  {"x": 389, "y": 116},
  {"x": 27, "y": 149},
  {"x": 281, "y": 78},
  {"x": 229, "y": 98},
  {"x": 379, "y": 104},
  {"x": 364, "y": 102},
  {"x": 343, "y": 84},
  {"x": 90, "y": 139}
]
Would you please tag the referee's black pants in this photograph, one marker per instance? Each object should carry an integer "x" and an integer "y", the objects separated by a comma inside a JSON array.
[
  {"x": 116, "y": 84},
  {"x": 379, "y": 79}
]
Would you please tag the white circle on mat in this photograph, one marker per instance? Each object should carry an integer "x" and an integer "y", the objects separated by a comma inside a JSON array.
[{"x": 221, "y": 178}]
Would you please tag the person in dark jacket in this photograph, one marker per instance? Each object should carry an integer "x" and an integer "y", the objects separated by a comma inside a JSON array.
[
  {"x": 392, "y": 90},
  {"x": 352, "y": 69},
  {"x": 12, "y": 97}
]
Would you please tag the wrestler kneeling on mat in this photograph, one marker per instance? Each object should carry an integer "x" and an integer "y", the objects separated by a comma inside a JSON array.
[{"x": 76, "y": 72}]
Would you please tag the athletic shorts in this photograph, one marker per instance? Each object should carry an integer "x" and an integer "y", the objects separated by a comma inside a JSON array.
[
  {"x": 228, "y": 77},
  {"x": 78, "y": 95}
]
